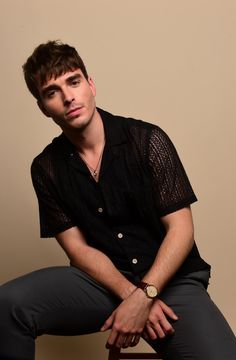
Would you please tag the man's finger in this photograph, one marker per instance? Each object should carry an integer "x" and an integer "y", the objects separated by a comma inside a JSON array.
[
  {"x": 135, "y": 340},
  {"x": 167, "y": 310},
  {"x": 150, "y": 331},
  {"x": 111, "y": 341},
  {"x": 108, "y": 323},
  {"x": 159, "y": 330},
  {"x": 145, "y": 334},
  {"x": 127, "y": 341},
  {"x": 166, "y": 326},
  {"x": 120, "y": 341},
  {"x": 131, "y": 340}
]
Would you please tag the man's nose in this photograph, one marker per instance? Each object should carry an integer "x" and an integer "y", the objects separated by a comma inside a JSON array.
[{"x": 68, "y": 96}]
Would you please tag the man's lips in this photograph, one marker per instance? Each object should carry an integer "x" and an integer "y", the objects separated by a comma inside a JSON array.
[{"x": 74, "y": 111}]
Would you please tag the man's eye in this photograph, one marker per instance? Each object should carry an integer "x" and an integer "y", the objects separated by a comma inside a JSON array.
[
  {"x": 50, "y": 93},
  {"x": 75, "y": 82}
]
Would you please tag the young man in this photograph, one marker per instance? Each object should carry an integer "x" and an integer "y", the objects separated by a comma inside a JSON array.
[{"x": 114, "y": 194}]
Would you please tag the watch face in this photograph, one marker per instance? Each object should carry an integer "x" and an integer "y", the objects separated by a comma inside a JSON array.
[{"x": 151, "y": 291}]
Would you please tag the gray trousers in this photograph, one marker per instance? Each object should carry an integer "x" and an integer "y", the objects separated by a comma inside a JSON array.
[{"x": 66, "y": 301}]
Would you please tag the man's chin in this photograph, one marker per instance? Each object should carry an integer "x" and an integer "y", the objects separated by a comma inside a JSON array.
[{"x": 75, "y": 126}]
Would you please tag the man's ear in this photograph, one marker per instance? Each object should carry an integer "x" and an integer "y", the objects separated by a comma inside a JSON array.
[
  {"x": 42, "y": 108},
  {"x": 92, "y": 86}
]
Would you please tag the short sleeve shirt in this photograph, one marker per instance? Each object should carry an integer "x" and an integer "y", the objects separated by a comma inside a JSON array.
[{"x": 141, "y": 179}]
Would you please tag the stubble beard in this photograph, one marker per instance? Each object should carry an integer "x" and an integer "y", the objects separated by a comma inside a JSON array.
[{"x": 81, "y": 127}]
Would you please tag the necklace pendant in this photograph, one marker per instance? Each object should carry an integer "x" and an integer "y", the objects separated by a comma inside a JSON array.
[{"x": 95, "y": 173}]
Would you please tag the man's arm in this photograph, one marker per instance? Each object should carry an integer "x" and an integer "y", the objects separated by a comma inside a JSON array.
[
  {"x": 176, "y": 246},
  {"x": 174, "y": 249},
  {"x": 94, "y": 262},
  {"x": 128, "y": 320}
]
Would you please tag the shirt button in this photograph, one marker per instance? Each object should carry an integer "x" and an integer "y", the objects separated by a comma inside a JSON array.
[
  {"x": 100, "y": 210},
  {"x": 120, "y": 235},
  {"x": 134, "y": 261}
]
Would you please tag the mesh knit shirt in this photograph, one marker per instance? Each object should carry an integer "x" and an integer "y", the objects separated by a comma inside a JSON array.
[{"x": 141, "y": 179}]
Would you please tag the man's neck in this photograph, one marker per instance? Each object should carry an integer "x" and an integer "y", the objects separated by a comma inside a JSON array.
[{"x": 91, "y": 138}]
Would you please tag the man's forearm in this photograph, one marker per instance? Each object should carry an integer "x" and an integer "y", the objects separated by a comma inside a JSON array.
[
  {"x": 94, "y": 263},
  {"x": 101, "y": 268},
  {"x": 173, "y": 250}
]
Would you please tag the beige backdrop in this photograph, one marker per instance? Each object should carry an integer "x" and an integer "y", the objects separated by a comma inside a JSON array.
[{"x": 168, "y": 62}]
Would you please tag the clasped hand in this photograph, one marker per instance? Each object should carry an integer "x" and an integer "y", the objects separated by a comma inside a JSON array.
[{"x": 138, "y": 316}]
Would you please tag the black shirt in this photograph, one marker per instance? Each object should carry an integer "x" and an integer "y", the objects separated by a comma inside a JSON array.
[{"x": 141, "y": 179}]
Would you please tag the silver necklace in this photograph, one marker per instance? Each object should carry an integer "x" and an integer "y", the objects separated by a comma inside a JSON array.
[{"x": 94, "y": 171}]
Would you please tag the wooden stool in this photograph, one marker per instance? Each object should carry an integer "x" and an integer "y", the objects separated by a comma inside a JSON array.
[{"x": 116, "y": 354}]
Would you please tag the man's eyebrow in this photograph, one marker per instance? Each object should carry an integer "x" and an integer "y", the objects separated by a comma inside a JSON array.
[
  {"x": 73, "y": 77},
  {"x": 55, "y": 87},
  {"x": 49, "y": 88}
]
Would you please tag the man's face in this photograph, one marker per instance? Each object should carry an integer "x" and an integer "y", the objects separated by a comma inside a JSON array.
[{"x": 69, "y": 100}]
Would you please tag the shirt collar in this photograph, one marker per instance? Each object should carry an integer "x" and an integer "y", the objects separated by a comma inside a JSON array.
[{"x": 114, "y": 128}]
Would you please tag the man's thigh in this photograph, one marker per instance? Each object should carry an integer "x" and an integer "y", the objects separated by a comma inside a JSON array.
[
  {"x": 201, "y": 333},
  {"x": 59, "y": 301}
]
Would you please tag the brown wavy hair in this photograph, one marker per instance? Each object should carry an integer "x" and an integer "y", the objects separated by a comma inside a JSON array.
[{"x": 49, "y": 60}]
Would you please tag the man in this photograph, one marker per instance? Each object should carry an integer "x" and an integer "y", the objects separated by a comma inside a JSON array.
[{"x": 114, "y": 194}]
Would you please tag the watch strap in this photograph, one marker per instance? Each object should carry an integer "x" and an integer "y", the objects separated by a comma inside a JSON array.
[
  {"x": 150, "y": 290},
  {"x": 142, "y": 285}
]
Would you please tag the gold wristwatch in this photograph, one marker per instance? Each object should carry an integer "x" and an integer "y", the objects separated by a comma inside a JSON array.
[{"x": 150, "y": 290}]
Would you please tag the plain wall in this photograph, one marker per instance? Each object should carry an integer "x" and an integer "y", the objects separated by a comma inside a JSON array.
[{"x": 168, "y": 62}]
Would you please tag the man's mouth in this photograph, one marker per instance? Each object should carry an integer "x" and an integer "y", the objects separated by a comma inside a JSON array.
[{"x": 74, "y": 111}]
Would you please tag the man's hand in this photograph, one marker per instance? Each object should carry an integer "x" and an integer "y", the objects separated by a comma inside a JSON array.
[
  {"x": 138, "y": 316},
  {"x": 128, "y": 320},
  {"x": 157, "y": 325}
]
